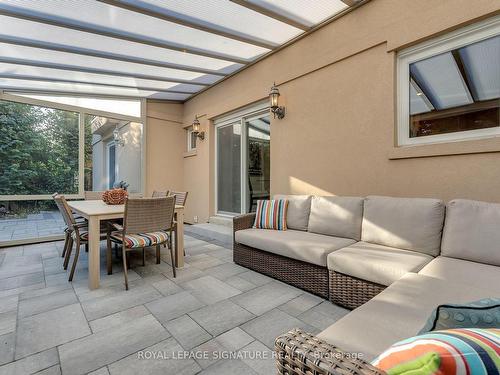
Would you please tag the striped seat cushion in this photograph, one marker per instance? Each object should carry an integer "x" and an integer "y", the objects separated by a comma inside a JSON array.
[
  {"x": 271, "y": 214},
  {"x": 84, "y": 235},
  {"x": 141, "y": 239},
  {"x": 465, "y": 351}
]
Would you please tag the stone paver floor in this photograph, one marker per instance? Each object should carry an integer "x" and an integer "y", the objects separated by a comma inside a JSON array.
[
  {"x": 43, "y": 224},
  {"x": 215, "y": 317}
]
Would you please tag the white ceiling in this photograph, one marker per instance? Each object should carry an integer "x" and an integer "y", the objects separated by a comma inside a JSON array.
[{"x": 164, "y": 49}]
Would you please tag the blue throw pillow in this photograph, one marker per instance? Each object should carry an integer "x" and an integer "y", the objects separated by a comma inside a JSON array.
[{"x": 484, "y": 313}]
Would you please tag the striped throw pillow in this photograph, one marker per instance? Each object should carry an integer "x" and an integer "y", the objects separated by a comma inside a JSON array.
[
  {"x": 465, "y": 351},
  {"x": 271, "y": 214}
]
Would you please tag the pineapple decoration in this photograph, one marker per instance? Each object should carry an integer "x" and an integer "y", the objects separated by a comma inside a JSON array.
[{"x": 117, "y": 195}]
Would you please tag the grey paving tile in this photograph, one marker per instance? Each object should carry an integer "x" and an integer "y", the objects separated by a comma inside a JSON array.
[
  {"x": 20, "y": 281},
  {"x": 54, "y": 370},
  {"x": 323, "y": 315},
  {"x": 167, "y": 287},
  {"x": 240, "y": 283},
  {"x": 229, "y": 367},
  {"x": 225, "y": 270},
  {"x": 31, "y": 364},
  {"x": 22, "y": 289},
  {"x": 44, "y": 291},
  {"x": 173, "y": 306},
  {"x": 36, "y": 305},
  {"x": 266, "y": 297},
  {"x": 110, "y": 345},
  {"x": 301, "y": 304},
  {"x": 259, "y": 358},
  {"x": 101, "y": 371},
  {"x": 10, "y": 270},
  {"x": 203, "y": 261},
  {"x": 7, "y": 345},
  {"x": 255, "y": 278},
  {"x": 49, "y": 329},
  {"x": 267, "y": 327},
  {"x": 9, "y": 303},
  {"x": 208, "y": 353},
  {"x": 210, "y": 290},
  {"x": 109, "y": 304},
  {"x": 8, "y": 322},
  {"x": 234, "y": 339},
  {"x": 141, "y": 363},
  {"x": 118, "y": 319},
  {"x": 221, "y": 317},
  {"x": 183, "y": 274},
  {"x": 187, "y": 332}
]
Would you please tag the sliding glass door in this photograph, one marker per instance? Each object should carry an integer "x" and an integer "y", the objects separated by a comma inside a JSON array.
[{"x": 242, "y": 162}]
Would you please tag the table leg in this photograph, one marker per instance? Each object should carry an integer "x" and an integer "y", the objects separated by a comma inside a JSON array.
[
  {"x": 179, "y": 239},
  {"x": 94, "y": 252}
]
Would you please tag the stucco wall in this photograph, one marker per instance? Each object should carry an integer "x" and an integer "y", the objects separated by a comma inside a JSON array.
[
  {"x": 165, "y": 144},
  {"x": 338, "y": 85}
]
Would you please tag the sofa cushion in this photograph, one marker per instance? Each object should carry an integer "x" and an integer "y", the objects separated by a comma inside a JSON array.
[
  {"x": 406, "y": 223},
  {"x": 299, "y": 207},
  {"x": 399, "y": 312},
  {"x": 472, "y": 231},
  {"x": 308, "y": 247},
  {"x": 463, "y": 272},
  {"x": 376, "y": 263},
  {"x": 336, "y": 216}
]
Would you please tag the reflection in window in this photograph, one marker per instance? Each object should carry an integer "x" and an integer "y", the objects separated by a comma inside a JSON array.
[
  {"x": 456, "y": 91},
  {"x": 112, "y": 153}
]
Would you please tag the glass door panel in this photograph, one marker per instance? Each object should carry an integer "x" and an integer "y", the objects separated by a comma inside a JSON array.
[
  {"x": 257, "y": 160},
  {"x": 229, "y": 169}
]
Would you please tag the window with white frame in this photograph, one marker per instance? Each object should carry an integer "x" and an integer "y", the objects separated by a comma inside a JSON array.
[
  {"x": 449, "y": 88},
  {"x": 191, "y": 139}
]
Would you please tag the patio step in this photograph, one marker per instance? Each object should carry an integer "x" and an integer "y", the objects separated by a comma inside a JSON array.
[
  {"x": 221, "y": 220},
  {"x": 221, "y": 233}
]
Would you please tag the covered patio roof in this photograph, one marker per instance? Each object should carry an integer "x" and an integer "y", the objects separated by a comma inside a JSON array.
[{"x": 159, "y": 49}]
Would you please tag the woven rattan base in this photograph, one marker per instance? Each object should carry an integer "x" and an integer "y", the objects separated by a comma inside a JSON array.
[
  {"x": 351, "y": 292},
  {"x": 306, "y": 276}
]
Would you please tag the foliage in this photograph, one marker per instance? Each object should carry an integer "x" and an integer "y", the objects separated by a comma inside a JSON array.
[{"x": 38, "y": 150}]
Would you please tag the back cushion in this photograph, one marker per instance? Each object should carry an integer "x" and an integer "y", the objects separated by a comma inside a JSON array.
[
  {"x": 472, "y": 231},
  {"x": 406, "y": 223},
  {"x": 299, "y": 207},
  {"x": 336, "y": 216}
]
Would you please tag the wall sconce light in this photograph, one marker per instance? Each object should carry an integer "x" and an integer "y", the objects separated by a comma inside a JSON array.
[
  {"x": 117, "y": 137},
  {"x": 274, "y": 94},
  {"x": 196, "y": 128}
]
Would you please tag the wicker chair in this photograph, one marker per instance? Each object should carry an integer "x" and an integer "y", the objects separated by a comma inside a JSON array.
[
  {"x": 67, "y": 230},
  {"x": 77, "y": 231},
  {"x": 147, "y": 222},
  {"x": 159, "y": 194},
  {"x": 93, "y": 195},
  {"x": 300, "y": 353}
]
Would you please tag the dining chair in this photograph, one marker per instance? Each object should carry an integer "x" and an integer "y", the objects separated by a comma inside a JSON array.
[
  {"x": 147, "y": 222},
  {"x": 78, "y": 234},
  {"x": 93, "y": 195},
  {"x": 159, "y": 194},
  {"x": 67, "y": 230},
  {"x": 180, "y": 197}
]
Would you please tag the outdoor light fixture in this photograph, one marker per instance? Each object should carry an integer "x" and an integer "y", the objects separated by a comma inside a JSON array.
[
  {"x": 196, "y": 128},
  {"x": 117, "y": 137},
  {"x": 274, "y": 94}
]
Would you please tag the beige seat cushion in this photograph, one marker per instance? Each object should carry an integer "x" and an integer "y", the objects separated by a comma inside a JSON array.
[
  {"x": 336, "y": 216},
  {"x": 472, "y": 231},
  {"x": 305, "y": 246},
  {"x": 405, "y": 223},
  {"x": 399, "y": 312},
  {"x": 376, "y": 263},
  {"x": 460, "y": 271},
  {"x": 299, "y": 207}
]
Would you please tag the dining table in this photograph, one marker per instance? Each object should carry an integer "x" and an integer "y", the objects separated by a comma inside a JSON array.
[{"x": 96, "y": 211}]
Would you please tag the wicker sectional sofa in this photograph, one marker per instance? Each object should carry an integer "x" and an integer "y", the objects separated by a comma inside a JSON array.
[{"x": 391, "y": 260}]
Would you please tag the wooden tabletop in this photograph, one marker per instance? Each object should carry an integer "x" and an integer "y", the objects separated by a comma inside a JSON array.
[{"x": 98, "y": 208}]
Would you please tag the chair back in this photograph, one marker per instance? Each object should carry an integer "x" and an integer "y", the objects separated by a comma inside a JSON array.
[
  {"x": 180, "y": 197},
  {"x": 65, "y": 210},
  {"x": 159, "y": 194},
  {"x": 145, "y": 215},
  {"x": 93, "y": 195}
]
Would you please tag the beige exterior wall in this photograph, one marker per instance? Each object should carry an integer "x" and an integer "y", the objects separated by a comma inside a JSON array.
[
  {"x": 338, "y": 86},
  {"x": 165, "y": 144}
]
